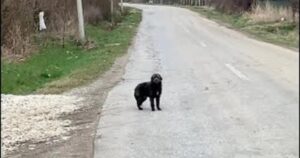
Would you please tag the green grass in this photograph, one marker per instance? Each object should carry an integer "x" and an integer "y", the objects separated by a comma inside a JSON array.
[
  {"x": 55, "y": 69},
  {"x": 281, "y": 33}
]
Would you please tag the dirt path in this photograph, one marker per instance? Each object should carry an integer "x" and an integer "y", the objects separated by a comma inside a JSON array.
[{"x": 80, "y": 141}]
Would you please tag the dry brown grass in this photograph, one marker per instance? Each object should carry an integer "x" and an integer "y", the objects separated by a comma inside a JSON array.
[
  {"x": 19, "y": 21},
  {"x": 269, "y": 13}
]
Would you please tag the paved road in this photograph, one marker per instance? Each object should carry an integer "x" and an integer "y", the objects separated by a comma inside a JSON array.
[{"x": 224, "y": 95}]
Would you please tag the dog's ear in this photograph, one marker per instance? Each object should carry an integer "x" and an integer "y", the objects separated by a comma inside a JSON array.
[
  {"x": 152, "y": 77},
  {"x": 160, "y": 77}
]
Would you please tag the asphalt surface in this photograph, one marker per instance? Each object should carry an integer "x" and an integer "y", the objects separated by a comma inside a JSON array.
[{"x": 224, "y": 95}]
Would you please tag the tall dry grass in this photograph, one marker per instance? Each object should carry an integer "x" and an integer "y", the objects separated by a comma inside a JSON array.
[
  {"x": 19, "y": 21},
  {"x": 269, "y": 13}
]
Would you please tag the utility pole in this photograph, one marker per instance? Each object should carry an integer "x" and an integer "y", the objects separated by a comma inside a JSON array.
[
  {"x": 121, "y": 5},
  {"x": 112, "y": 11},
  {"x": 80, "y": 20}
]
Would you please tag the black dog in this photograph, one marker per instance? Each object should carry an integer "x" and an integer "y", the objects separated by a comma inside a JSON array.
[{"x": 150, "y": 89}]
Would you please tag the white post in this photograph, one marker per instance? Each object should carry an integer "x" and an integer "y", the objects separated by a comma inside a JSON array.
[
  {"x": 80, "y": 20},
  {"x": 42, "y": 21}
]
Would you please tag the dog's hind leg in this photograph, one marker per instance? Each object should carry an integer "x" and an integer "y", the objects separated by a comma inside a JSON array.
[{"x": 139, "y": 102}]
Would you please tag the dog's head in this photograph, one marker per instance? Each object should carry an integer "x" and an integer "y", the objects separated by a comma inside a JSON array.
[{"x": 156, "y": 78}]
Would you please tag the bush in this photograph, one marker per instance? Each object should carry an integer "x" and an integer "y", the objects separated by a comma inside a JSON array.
[{"x": 231, "y": 5}]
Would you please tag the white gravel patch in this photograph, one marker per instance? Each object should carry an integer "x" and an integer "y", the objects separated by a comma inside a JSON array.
[{"x": 34, "y": 118}]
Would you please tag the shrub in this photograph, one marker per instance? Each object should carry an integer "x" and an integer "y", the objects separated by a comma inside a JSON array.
[{"x": 231, "y": 5}]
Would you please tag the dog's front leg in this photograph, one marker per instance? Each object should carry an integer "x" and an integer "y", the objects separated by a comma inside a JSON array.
[
  {"x": 152, "y": 103},
  {"x": 157, "y": 103}
]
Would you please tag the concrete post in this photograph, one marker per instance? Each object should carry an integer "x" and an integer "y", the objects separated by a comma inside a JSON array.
[{"x": 80, "y": 20}]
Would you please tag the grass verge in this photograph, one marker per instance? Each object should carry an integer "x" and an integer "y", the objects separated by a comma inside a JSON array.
[
  {"x": 55, "y": 69},
  {"x": 284, "y": 33}
]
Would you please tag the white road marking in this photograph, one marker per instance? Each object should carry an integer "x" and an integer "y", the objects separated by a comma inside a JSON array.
[
  {"x": 237, "y": 72},
  {"x": 203, "y": 44},
  {"x": 186, "y": 30}
]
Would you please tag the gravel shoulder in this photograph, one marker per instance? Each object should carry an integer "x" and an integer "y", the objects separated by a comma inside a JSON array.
[{"x": 62, "y": 125}]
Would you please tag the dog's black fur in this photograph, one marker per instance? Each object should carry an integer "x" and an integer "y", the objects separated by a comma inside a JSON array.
[{"x": 150, "y": 89}]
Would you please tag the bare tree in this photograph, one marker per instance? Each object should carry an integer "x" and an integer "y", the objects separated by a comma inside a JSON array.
[{"x": 295, "y": 8}]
